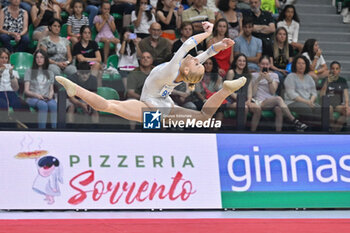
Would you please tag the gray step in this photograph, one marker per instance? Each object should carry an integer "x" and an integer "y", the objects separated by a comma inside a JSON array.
[
  {"x": 336, "y": 57},
  {"x": 319, "y": 9},
  {"x": 316, "y": 2},
  {"x": 325, "y": 36},
  {"x": 331, "y": 46},
  {"x": 321, "y": 27},
  {"x": 320, "y": 18}
]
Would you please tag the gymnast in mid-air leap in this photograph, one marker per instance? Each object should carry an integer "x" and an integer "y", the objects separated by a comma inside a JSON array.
[{"x": 162, "y": 80}]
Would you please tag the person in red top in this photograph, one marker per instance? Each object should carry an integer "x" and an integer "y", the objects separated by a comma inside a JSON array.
[{"x": 225, "y": 57}]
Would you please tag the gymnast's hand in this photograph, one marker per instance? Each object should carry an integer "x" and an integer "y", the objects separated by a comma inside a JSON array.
[
  {"x": 223, "y": 44},
  {"x": 208, "y": 27},
  {"x": 228, "y": 42}
]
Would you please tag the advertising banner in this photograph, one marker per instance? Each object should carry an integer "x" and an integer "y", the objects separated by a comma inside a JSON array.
[
  {"x": 284, "y": 171},
  {"x": 70, "y": 170}
]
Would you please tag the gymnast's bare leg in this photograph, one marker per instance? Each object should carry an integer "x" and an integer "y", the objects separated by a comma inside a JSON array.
[{"x": 132, "y": 109}]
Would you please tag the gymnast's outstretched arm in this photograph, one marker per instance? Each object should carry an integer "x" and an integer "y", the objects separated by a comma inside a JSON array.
[{"x": 214, "y": 49}]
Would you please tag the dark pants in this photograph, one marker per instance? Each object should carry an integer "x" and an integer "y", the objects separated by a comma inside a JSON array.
[
  {"x": 21, "y": 46},
  {"x": 13, "y": 100}
]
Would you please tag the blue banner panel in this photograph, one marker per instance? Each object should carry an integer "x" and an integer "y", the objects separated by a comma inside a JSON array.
[{"x": 270, "y": 162}]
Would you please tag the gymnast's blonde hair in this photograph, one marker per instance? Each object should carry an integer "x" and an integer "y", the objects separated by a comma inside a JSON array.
[{"x": 192, "y": 78}]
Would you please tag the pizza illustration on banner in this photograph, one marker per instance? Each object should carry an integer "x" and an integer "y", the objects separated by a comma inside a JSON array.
[{"x": 31, "y": 154}]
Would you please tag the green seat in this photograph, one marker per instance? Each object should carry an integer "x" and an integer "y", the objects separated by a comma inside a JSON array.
[
  {"x": 64, "y": 32},
  {"x": 117, "y": 16},
  {"x": 33, "y": 43},
  {"x": 267, "y": 114},
  {"x": 12, "y": 42},
  {"x": 230, "y": 113},
  {"x": 64, "y": 15},
  {"x": 109, "y": 94},
  {"x": 21, "y": 61},
  {"x": 336, "y": 115},
  {"x": 112, "y": 61}
]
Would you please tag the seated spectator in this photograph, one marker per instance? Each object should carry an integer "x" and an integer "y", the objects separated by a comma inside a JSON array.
[
  {"x": 225, "y": 57},
  {"x": 186, "y": 31},
  {"x": 300, "y": 90},
  {"x": 42, "y": 13},
  {"x": 137, "y": 78},
  {"x": 197, "y": 14},
  {"x": 282, "y": 55},
  {"x": 264, "y": 25},
  {"x": 64, "y": 5},
  {"x": 38, "y": 87},
  {"x": 76, "y": 21},
  {"x": 264, "y": 86},
  {"x": 289, "y": 19},
  {"x": 318, "y": 66},
  {"x": 249, "y": 45},
  {"x": 182, "y": 96},
  {"x": 85, "y": 79},
  {"x": 86, "y": 51},
  {"x": 124, "y": 8},
  {"x": 337, "y": 90},
  {"x": 27, "y": 6},
  {"x": 91, "y": 9},
  {"x": 105, "y": 26},
  {"x": 158, "y": 47},
  {"x": 14, "y": 26},
  {"x": 127, "y": 54},
  {"x": 239, "y": 69},
  {"x": 228, "y": 11},
  {"x": 243, "y": 5},
  {"x": 169, "y": 18},
  {"x": 58, "y": 50},
  {"x": 8, "y": 83},
  {"x": 142, "y": 18}
]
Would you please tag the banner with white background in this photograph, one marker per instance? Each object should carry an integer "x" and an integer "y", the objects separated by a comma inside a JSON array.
[{"x": 74, "y": 170}]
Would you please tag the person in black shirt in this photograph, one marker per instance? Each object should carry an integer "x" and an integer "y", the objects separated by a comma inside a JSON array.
[
  {"x": 336, "y": 89},
  {"x": 186, "y": 32}
]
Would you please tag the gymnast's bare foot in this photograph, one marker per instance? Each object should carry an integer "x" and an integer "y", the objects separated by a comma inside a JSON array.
[
  {"x": 70, "y": 87},
  {"x": 234, "y": 85}
]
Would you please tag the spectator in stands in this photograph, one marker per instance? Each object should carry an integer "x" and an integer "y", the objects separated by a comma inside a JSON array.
[
  {"x": 300, "y": 90},
  {"x": 289, "y": 19},
  {"x": 158, "y": 47},
  {"x": 92, "y": 9},
  {"x": 38, "y": 87},
  {"x": 8, "y": 83},
  {"x": 42, "y": 13},
  {"x": 58, "y": 50},
  {"x": 182, "y": 96},
  {"x": 234, "y": 18},
  {"x": 169, "y": 18},
  {"x": 337, "y": 90},
  {"x": 142, "y": 18},
  {"x": 318, "y": 66},
  {"x": 211, "y": 83},
  {"x": 282, "y": 55},
  {"x": 137, "y": 78},
  {"x": 225, "y": 57},
  {"x": 264, "y": 86},
  {"x": 86, "y": 51},
  {"x": 197, "y": 14},
  {"x": 127, "y": 54},
  {"x": 65, "y": 5},
  {"x": 239, "y": 69},
  {"x": 14, "y": 26},
  {"x": 264, "y": 26},
  {"x": 186, "y": 31},
  {"x": 249, "y": 45},
  {"x": 243, "y": 5},
  {"x": 83, "y": 78},
  {"x": 25, "y": 4},
  {"x": 76, "y": 21},
  {"x": 106, "y": 28},
  {"x": 124, "y": 8}
]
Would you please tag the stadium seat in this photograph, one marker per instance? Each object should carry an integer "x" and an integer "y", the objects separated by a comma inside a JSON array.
[
  {"x": 63, "y": 32},
  {"x": 33, "y": 43},
  {"x": 21, "y": 62},
  {"x": 112, "y": 61}
]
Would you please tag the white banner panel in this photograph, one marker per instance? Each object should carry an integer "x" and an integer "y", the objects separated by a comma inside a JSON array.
[{"x": 70, "y": 170}]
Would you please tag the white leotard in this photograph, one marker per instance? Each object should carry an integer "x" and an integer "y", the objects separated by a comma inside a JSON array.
[{"x": 161, "y": 81}]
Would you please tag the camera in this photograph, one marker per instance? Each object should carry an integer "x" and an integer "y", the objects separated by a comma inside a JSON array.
[
  {"x": 265, "y": 70},
  {"x": 132, "y": 36}
]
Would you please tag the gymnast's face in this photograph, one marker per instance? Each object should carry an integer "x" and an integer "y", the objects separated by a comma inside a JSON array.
[{"x": 193, "y": 64}]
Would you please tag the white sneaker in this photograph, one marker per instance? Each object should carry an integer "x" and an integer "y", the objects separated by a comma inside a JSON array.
[
  {"x": 346, "y": 19},
  {"x": 344, "y": 11}
]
